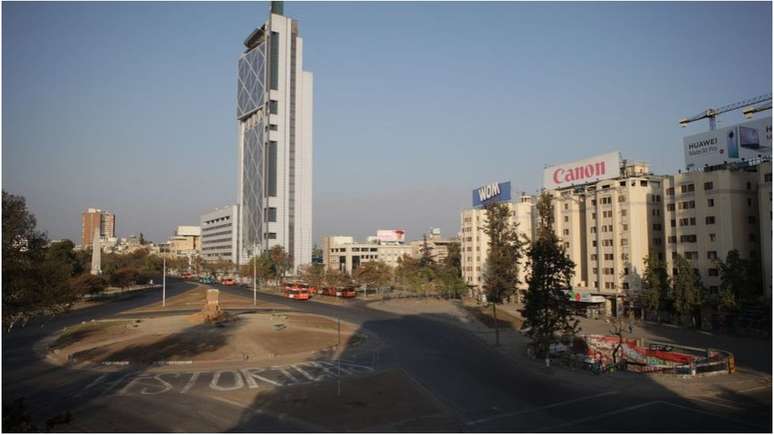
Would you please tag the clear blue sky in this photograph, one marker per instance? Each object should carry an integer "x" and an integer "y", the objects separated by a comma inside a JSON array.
[{"x": 130, "y": 106}]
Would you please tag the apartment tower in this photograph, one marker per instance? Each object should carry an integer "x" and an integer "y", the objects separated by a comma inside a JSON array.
[
  {"x": 274, "y": 113},
  {"x": 96, "y": 221}
]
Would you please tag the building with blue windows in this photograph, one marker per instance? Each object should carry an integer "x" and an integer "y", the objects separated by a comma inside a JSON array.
[{"x": 274, "y": 113}]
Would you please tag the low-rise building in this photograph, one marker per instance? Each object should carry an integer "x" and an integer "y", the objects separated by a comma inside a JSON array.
[
  {"x": 186, "y": 242},
  {"x": 219, "y": 234},
  {"x": 436, "y": 244},
  {"x": 345, "y": 254}
]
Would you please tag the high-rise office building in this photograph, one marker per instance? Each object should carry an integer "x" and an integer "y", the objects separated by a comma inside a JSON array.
[
  {"x": 274, "y": 112},
  {"x": 96, "y": 221}
]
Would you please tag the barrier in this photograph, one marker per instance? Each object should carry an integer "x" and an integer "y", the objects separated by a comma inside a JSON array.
[{"x": 648, "y": 357}]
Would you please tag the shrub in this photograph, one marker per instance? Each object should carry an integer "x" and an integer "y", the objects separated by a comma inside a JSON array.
[{"x": 87, "y": 283}]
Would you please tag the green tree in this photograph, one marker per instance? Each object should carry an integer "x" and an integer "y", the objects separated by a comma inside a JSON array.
[
  {"x": 686, "y": 289},
  {"x": 453, "y": 259},
  {"x": 280, "y": 261},
  {"x": 655, "y": 294},
  {"x": 501, "y": 274},
  {"x": 547, "y": 307},
  {"x": 337, "y": 278},
  {"x": 64, "y": 252},
  {"x": 87, "y": 283},
  {"x": 740, "y": 281},
  {"x": 373, "y": 274},
  {"x": 35, "y": 282},
  {"x": 124, "y": 277},
  {"x": 451, "y": 284},
  {"x": 426, "y": 253},
  {"x": 313, "y": 274}
]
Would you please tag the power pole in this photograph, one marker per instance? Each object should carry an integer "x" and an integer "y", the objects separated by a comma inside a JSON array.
[
  {"x": 164, "y": 282},
  {"x": 255, "y": 281}
]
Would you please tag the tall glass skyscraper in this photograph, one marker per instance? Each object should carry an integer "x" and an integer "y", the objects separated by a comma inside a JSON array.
[{"x": 274, "y": 112}]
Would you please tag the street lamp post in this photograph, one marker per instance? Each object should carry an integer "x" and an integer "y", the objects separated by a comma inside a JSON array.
[
  {"x": 164, "y": 282},
  {"x": 255, "y": 282}
]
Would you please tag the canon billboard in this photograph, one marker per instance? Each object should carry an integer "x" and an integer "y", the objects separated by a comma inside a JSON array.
[
  {"x": 583, "y": 171},
  {"x": 746, "y": 141},
  {"x": 391, "y": 235}
]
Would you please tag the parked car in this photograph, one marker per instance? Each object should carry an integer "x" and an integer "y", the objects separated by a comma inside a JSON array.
[
  {"x": 207, "y": 280},
  {"x": 228, "y": 281}
]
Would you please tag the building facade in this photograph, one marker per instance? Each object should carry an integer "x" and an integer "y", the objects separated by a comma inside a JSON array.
[
  {"x": 609, "y": 227},
  {"x": 474, "y": 243},
  {"x": 96, "y": 221},
  {"x": 436, "y": 244},
  {"x": 711, "y": 212},
  {"x": 186, "y": 242},
  {"x": 274, "y": 113},
  {"x": 764, "y": 217},
  {"x": 343, "y": 253},
  {"x": 219, "y": 234}
]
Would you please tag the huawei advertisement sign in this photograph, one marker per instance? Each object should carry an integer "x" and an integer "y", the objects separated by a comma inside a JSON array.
[
  {"x": 584, "y": 171},
  {"x": 747, "y": 141}
]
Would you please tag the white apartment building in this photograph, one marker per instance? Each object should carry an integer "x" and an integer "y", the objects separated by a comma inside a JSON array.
[
  {"x": 764, "y": 217},
  {"x": 709, "y": 213},
  {"x": 274, "y": 112},
  {"x": 345, "y": 254},
  {"x": 219, "y": 234},
  {"x": 609, "y": 227},
  {"x": 474, "y": 243}
]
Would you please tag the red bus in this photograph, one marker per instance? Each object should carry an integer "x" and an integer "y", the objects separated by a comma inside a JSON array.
[
  {"x": 341, "y": 292},
  {"x": 297, "y": 291},
  {"x": 346, "y": 292}
]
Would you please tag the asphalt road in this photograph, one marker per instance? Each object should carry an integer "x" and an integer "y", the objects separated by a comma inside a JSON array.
[{"x": 481, "y": 390}]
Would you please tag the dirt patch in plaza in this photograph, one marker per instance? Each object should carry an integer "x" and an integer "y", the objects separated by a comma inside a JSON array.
[
  {"x": 253, "y": 336},
  {"x": 92, "y": 332},
  {"x": 485, "y": 316},
  {"x": 386, "y": 402}
]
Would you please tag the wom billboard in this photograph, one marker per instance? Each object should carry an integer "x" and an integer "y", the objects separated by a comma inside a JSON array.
[
  {"x": 746, "y": 141},
  {"x": 583, "y": 171},
  {"x": 491, "y": 193}
]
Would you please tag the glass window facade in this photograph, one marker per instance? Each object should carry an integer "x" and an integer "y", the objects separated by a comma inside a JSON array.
[
  {"x": 251, "y": 87},
  {"x": 271, "y": 170},
  {"x": 252, "y": 181},
  {"x": 274, "y": 53}
]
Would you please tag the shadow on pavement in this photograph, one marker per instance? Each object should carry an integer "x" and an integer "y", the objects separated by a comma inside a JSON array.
[{"x": 425, "y": 375}]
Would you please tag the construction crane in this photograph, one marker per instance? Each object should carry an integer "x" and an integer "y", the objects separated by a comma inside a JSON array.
[{"x": 711, "y": 114}]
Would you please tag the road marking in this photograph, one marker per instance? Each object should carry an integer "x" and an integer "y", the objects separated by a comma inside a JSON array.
[
  {"x": 527, "y": 411},
  {"x": 597, "y": 416},
  {"x": 252, "y": 374},
  {"x": 191, "y": 382},
  {"x": 699, "y": 411},
  {"x": 714, "y": 403},
  {"x": 96, "y": 381},
  {"x": 238, "y": 382},
  {"x": 305, "y": 373}
]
